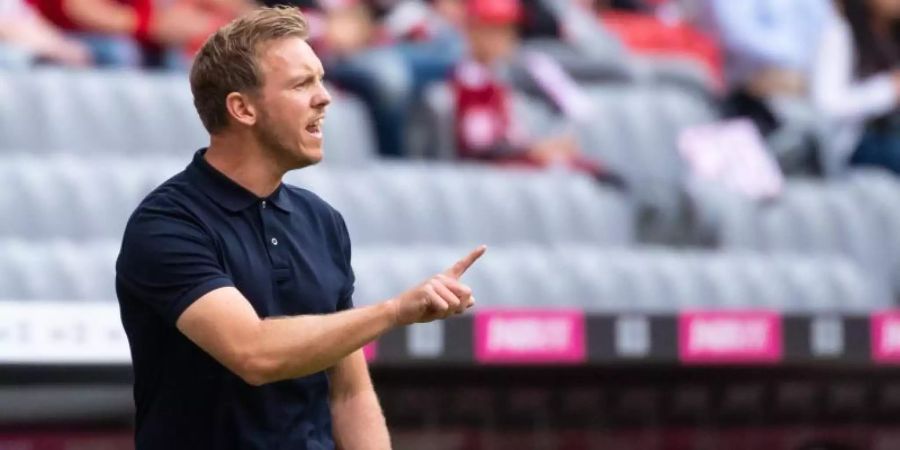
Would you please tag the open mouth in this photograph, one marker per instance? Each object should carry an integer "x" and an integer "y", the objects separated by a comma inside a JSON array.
[{"x": 315, "y": 128}]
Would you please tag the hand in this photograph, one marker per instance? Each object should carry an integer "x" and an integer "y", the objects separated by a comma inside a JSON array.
[
  {"x": 439, "y": 297},
  {"x": 553, "y": 150},
  {"x": 774, "y": 82},
  {"x": 895, "y": 76}
]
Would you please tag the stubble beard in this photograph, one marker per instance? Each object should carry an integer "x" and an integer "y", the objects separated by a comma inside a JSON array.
[{"x": 278, "y": 149}]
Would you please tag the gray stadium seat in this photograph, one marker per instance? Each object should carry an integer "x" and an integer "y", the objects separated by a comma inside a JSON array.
[
  {"x": 57, "y": 270},
  {"x": 854, "y": 218},
  {"x": 135, "y": 113},
  {"x": 470, "y": 204},
  {"x": 878, "y": 192},
  {"x": 633, "y": 130},
  {"x": 661, "y": 281},
  {"x": 68, "y": 197},
  {"x": 592, "y": 278},
  {"x": 89, "y": 111},
  {"x": 348, "y": 131}
]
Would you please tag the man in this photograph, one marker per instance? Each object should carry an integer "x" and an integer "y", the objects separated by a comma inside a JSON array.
[{"x": 235, "y": 289}]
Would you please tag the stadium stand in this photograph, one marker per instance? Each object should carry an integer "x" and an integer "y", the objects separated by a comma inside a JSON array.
[
  {"x": 846, "y": 216},
  {"x": 132, "y": 112},
  {"x": 79, "y": 148},
  {"x": 64, "y": 196},
  {"x": 590, "y": 278}
]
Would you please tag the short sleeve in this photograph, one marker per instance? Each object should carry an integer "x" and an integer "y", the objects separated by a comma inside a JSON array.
[
  {"x": 346, "y": 299},
  {"x": 167, "y": 262}
]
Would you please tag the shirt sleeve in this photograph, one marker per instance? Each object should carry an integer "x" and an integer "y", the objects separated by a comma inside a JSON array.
[
  {"x": 167, "y": 262},
  {"x": 834, "y": 89},
  {"x": 346, "y": 299}
]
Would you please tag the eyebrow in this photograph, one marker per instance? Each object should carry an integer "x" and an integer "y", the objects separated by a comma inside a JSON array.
[{"x": 306, "y": 75}]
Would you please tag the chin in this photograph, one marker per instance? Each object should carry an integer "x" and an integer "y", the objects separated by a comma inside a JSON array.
[{"x": 309, "y": 157}]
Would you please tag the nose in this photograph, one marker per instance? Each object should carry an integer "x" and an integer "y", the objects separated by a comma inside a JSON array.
[{"x": 322, "y": 98}]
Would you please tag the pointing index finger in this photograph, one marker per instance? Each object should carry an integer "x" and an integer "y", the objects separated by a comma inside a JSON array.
[{"x": 458, "y": 269}]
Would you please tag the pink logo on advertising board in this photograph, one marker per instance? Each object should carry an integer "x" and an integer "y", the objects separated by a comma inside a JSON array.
[
  {"x": 886, "y": 337},
  {"x": 729, "y": 337},
  {"x": 529, "y": 336},
  {"x": 370, "y": 351}
]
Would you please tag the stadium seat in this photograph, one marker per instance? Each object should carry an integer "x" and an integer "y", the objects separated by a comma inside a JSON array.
[
  {"x": 65, "y": 196},
  {"x": 656, "y": 280},
  {"x": 57, "y": 270},
  {"x": 853, "y": 217},
  {"x": 590, "y": 278},
  {"x": 69, "y": 197},
  {"x": 470, "y": 204},
  {"x": 140, "y": 113}
]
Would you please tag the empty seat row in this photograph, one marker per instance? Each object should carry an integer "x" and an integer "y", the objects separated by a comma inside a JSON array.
[
  {"x": 645, "y": 280},
  {"x": 595, "y": 279},
  {"x": 134, "y": 112},
  {"x": 401, "y": 203},
  {"x": 856, "y": 217}
]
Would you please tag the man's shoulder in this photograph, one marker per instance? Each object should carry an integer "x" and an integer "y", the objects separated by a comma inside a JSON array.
[
  {"x": 170, "y": 200},
  {"x": 308, "y": 199}
]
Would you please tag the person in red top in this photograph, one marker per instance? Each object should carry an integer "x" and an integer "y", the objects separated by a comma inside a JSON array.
[
  {"x": 26, "y": 37},
  {"x": 485, "y": 127},
  {"x": 182, "y": 23}
]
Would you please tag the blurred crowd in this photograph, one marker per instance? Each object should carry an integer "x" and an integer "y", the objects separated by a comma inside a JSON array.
[{"x": 806, "y": 66}]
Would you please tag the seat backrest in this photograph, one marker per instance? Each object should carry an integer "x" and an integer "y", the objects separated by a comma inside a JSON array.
[
  {"x": 590, "y": 278},
  {"x": 470, "y": 204}
]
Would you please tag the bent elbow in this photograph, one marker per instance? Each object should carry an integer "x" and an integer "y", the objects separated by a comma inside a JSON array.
[{"x": 256, "y": 370}]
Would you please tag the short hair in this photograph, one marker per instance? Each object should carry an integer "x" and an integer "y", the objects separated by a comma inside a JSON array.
[{"x": 228, "y": 61}]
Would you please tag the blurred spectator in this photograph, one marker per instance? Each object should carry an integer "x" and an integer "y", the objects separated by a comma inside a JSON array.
[
  {"x": 485, "y": 126},
  {"x": 385, "y": 52},
  {"x": 767, "y": 50},
  {"x": 136, "y": 32},
  {"x": 26, "y": 36},
  {"x": 578, "y": 26},
  {"x": 856, "y": 82},
  {"x": 666, "y": 35}
]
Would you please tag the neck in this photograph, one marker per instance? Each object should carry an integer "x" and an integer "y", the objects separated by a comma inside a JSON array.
[{"x": 246, "y": 163}]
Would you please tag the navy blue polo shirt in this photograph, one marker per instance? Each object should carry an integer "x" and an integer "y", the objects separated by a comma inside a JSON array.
[{"x": 288, "y": 254}]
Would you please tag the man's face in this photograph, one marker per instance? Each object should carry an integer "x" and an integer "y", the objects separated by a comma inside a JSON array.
[{"x": 291, "y": 103}]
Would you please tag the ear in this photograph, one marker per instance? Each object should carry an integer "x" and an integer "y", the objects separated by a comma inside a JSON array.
[{"x": 241, "y": 108}]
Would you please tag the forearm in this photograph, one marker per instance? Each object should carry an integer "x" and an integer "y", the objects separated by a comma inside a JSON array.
[
  {"x": 292, "y": 347},
  {"x": 358, "y": 422},
  {"x": 102, "y": 16}
]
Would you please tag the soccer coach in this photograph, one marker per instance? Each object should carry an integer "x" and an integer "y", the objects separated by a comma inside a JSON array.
[{"x": 235, "y": 289}]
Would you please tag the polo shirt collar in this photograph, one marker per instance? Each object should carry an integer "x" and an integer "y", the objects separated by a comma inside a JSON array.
[{"x": 227, "y": 193}]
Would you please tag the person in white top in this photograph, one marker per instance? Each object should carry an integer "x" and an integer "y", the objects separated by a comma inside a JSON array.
[{"x": 855, "y": 84}]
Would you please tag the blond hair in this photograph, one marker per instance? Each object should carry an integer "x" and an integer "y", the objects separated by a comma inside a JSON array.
[{"x": 228, "y": 61}]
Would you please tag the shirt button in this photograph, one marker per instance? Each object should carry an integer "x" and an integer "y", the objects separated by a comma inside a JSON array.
[
  {"x": 274, "y": 241},
  {"x": 264, "y": 204}
]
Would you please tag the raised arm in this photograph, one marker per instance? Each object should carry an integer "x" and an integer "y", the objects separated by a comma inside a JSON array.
[{"x": 224, "y": 324}]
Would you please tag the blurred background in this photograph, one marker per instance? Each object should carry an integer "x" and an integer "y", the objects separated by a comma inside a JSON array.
[{"x": 692, "y": 207}]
